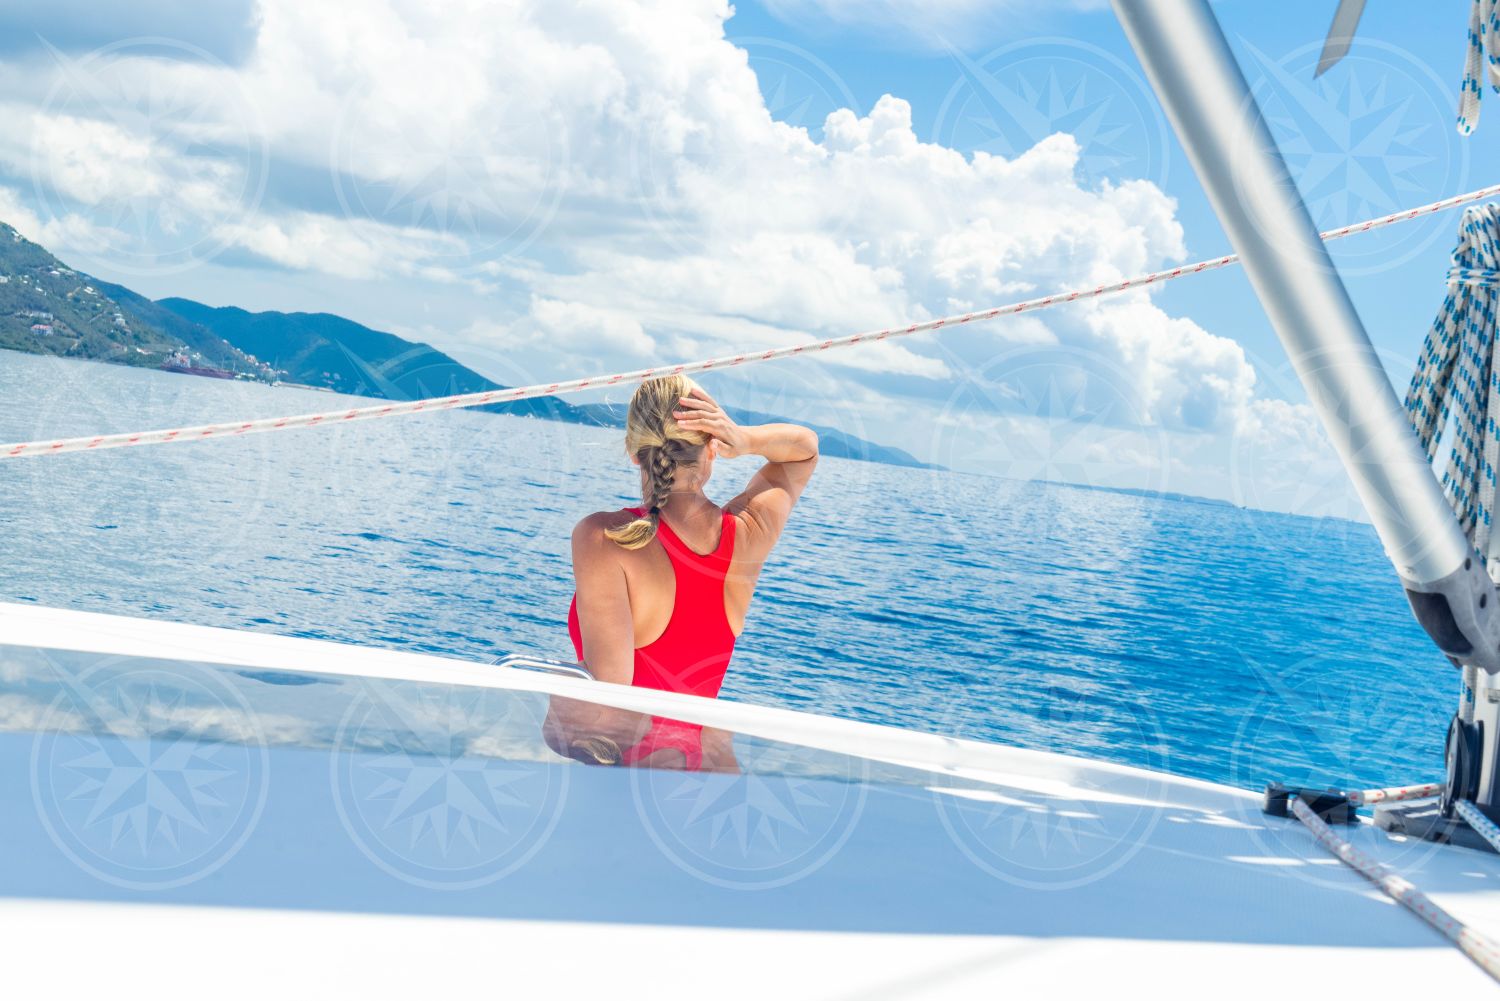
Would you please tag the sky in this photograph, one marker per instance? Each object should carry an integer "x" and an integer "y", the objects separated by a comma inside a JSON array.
[{"x": 554, "y": 190}]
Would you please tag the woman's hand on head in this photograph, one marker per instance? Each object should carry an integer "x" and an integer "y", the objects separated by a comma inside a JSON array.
[{"x": 699, "y": 412}]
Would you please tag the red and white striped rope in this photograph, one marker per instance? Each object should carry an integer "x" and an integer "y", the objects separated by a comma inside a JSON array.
[
  {"x": 1365, "y": 797},
  {"x": 1476, "y": 946},
  {"x": 235, "y": 428}
]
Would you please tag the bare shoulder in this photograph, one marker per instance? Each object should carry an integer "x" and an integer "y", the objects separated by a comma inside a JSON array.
[
  {"x": 599, "y": 521},
  {"x": 589, "y": 535}
]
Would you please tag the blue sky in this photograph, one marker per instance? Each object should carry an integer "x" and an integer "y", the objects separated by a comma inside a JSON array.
[
  {"x": 556, "y": 191},
  {"x": 1372, "y": 151}
]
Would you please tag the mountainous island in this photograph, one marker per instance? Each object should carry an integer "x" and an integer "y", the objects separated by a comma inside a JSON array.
[{"x": 48, "y": 308}]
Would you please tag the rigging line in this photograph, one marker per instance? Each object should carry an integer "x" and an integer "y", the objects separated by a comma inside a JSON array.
[
  {"x": 1482, "y": 825},
  {"x": 1476, "y": 946},
  {"x": 1366, "y": 797},
  {"x": 394, "y": 409}
]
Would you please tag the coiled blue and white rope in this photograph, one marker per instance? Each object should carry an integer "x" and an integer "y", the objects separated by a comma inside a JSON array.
[
  {"x": 1456, "y": 377},
  {"x": 1484, "y": 50}
]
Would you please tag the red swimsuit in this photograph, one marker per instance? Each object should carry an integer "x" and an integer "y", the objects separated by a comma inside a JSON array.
[{"x": 692, "y": 653}]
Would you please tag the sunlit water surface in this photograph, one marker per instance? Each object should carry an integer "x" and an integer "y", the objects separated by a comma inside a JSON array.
[{"x": 1199, "y": 638}]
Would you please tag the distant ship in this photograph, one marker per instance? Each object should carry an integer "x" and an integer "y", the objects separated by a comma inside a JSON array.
[
  {"x": 212, "y": 373},
  {"x": 180, "y": 363}
]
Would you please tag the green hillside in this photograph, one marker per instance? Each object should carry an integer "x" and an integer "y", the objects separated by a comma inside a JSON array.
[
  {"x": 320, "y": 349},
  {"x": 48, "y": 308}
]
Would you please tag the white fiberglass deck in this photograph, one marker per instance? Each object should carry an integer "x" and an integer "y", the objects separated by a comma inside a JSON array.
[{"x": 205, "y": 811}]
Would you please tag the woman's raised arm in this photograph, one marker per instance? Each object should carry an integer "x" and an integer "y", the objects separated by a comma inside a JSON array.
[{"x": 790, "y": 451}]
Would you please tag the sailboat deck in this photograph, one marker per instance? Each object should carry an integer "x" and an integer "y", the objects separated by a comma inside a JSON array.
[{"x": 844, "y": 859}]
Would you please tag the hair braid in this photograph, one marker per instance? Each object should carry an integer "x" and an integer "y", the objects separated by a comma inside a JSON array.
[
  {"x": 661, "y": 474},
  {"x": 661, "y": 447}
]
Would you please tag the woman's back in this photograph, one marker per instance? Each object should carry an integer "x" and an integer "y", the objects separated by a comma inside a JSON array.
[
  {"x": 679, "y": 570},
  {"x": 663, "y": 589},
  {"x": 684, "y": 612}
]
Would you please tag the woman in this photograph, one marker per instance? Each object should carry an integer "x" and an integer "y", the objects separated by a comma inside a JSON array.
[{"x": 663, "y": 588}]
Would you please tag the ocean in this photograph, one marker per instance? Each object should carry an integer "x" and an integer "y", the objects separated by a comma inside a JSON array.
[{"x": 1189, "y": 636}]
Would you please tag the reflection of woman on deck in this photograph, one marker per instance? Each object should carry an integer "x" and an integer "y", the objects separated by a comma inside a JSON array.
[{"x": 662, "y": 589}]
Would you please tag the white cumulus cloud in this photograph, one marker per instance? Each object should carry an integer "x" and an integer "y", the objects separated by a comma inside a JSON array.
[{"x": 606, "y": 181}]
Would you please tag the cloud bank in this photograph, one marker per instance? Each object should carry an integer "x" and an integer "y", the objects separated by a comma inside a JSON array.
[{"x": 606, "y": 183}]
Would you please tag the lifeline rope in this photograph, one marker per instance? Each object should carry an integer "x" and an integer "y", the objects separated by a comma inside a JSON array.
[
  {"x": 234, "y": 428},
  {"x": 1474, "y": 945},
  {"x": 1456, "y": 378},
  {"x": 1484, "y": 34},
  {"x": 1482, "y": 825}
]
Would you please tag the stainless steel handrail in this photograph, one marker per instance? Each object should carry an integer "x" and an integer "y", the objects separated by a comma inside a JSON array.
[{"x": 525, "y": 662}]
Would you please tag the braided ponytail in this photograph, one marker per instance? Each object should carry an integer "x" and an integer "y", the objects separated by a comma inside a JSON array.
[{"x": 661, "y": 447}]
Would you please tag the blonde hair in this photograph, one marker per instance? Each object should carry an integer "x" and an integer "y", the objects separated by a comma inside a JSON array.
[{"x": 654, "y": 438}]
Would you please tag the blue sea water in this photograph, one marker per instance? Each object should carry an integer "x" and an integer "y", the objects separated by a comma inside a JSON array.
[{"x": 1189, "y": 636}]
